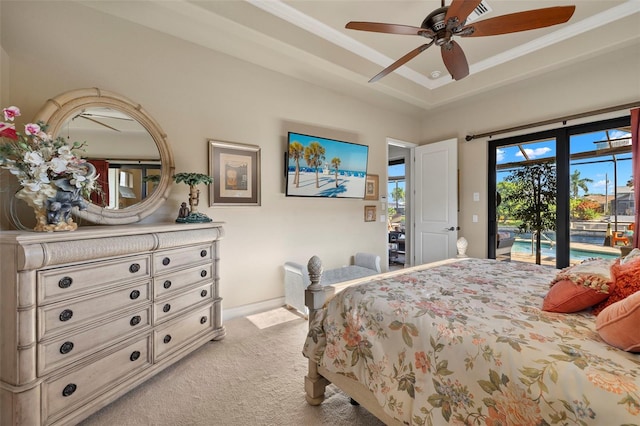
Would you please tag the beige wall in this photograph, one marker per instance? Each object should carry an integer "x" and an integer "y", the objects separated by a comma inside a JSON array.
[
  {"x": 590, "y": 85},
  {"x": 196, "y": 94}
]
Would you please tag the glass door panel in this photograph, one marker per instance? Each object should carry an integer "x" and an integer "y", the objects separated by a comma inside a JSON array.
[{"x": 601, "y": 200}]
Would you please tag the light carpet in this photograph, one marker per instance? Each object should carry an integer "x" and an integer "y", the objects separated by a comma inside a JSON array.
[
  {"x": 273, "y": 317},
  {"x": 254, "y": 376}
]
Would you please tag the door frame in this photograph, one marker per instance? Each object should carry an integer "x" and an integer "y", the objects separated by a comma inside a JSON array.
[{"x": 408, "y": 170}]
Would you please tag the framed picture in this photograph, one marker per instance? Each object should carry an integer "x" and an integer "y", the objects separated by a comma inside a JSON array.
[
  {"x": 235, "y": 169},
  {"x": 371, "y": 191},
  {"x": 369, "y": 213}
]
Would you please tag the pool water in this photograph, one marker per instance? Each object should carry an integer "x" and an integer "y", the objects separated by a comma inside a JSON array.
[{"x": 524, "y": 247}]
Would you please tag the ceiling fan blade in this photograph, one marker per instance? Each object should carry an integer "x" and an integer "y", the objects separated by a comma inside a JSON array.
[
  {"x": 98, "y": 122},
  {"x": 455, "y": 60},
  {"x": 461, "y": 9},
  {"x": 379, "y": 27},
  {"x": 406, "y": 58},
  {"x": 520, "y": 21}
]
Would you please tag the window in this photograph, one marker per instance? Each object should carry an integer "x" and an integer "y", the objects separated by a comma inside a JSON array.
[{"x": 592, "y": 166}]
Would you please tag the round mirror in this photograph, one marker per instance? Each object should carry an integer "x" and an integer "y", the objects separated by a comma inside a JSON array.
[{"x": 127, "y": 146}]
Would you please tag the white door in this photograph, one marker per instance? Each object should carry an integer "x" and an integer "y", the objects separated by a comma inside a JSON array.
[{"x": 435, "y": 201}]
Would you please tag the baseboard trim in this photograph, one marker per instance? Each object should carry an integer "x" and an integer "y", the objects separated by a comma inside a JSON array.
[{"x": 254, "y": 308}]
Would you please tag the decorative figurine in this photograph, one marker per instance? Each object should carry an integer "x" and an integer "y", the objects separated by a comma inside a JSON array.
[
  {"x": 192, "y": 214},
  {"x": 184, "y": 211}
]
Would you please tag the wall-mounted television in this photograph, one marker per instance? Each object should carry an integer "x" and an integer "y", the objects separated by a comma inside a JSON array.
[{"x": 320, "y": 167}]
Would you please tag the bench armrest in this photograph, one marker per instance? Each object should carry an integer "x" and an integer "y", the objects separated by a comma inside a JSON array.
[{"x": 367, "y": 260}]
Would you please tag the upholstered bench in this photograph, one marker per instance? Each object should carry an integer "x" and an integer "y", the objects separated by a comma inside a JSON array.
[{"x": 296, "y": 277}]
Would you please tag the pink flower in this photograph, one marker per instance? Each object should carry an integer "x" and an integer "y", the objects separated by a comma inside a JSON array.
[
  {"x": 32, "y": 129},
  {"x": 11, "y": 112}
]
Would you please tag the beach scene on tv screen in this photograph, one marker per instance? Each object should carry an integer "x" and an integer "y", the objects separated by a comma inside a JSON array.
[{"x": 319, "y": 167}]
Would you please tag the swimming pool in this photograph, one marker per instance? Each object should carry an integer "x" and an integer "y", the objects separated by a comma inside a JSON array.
[{"x": 524, "y": 247}]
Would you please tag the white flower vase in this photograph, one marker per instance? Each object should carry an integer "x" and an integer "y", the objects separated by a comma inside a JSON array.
[{"x": 462, "y": 244}]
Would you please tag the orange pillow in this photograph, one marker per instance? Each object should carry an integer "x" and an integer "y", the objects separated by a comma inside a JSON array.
[
  {"x": 566, "y": 296},
  {"x": 617, "y": 324},
  {"x": 580, "y": 286},
  {"x": 627, "y": 282}
]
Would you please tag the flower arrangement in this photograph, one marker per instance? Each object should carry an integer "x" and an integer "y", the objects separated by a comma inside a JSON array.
[{"x": 43, "y": 165}]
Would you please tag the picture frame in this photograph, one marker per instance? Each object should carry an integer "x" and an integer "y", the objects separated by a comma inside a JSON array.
[
  {"x": 369, "y": 213},
  {"x": 235, "y": 169},
  {"x": 372, "y": 191}
]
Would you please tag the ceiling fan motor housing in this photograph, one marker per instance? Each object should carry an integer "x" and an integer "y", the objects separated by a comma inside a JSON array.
[{"x": 435, "y": 21}]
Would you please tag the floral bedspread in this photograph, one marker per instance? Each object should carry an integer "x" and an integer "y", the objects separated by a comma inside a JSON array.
[{"x": 466, "y": 343}]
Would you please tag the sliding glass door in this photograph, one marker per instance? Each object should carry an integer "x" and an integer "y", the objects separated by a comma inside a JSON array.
[{"x": 568, "y": 187}]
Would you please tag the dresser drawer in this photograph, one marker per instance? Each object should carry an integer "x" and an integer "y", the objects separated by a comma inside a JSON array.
[
  {"x": 174, "y": 259},
  {"x": 169, "y": 283},
  {"x": 173, "y": 336},
  {"x": 74, "y": 388},
  {"x": 60, "y": 351},
  {"x": 167, "y": 309},
  {"x": 55, "y": 318},
  {"x": 72, "y": 281}
]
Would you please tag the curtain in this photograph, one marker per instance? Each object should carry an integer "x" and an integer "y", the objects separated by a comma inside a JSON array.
[
  {"x": 635, "y": 159},
  {"x": 102, "y": 168}
]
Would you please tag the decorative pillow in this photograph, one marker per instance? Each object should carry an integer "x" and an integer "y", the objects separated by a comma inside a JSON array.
[
  {"x": 631, "y": 257},
  {"x": 580, "y": 286},
  {"x": 627, "y": 282},
  {"x": 617, "y": 324}
]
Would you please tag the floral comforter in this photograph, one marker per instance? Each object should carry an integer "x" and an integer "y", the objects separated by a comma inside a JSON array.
[{"x": 466, "y": 343}]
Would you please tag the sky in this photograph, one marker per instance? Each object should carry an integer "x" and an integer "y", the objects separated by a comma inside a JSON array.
[
  {"x": 352, "y": 156},
  {"x": 599, "y": 170}
]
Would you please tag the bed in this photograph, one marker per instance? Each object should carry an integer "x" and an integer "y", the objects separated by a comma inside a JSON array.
[{"x": 464, "y": 341}]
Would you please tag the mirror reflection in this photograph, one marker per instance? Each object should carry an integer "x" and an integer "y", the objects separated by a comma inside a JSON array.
[{"x": 123, "y": 152}]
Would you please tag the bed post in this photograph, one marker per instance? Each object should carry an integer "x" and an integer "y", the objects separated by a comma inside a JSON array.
[{"x": 314, "y": 384}]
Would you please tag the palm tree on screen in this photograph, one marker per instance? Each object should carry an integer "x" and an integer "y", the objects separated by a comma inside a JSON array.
[
  {"x": 295, "y": 152},
  {"x": 314, "y": 156},
  {"x": 335, "y": 162}
]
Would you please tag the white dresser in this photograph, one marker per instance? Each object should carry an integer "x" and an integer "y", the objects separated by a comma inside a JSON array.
[{"x": 85, "y": 316}]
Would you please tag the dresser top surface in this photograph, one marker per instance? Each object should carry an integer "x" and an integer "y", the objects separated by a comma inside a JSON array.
[{"x": 101, "y": 231}]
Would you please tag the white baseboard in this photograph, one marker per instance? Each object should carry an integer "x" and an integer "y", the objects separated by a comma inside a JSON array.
[{"x": 254, "y": 308}]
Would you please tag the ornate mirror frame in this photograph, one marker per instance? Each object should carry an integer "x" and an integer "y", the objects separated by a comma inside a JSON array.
[{"x": 58, "y": 110}]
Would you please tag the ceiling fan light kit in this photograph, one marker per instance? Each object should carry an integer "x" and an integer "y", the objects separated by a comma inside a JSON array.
[{"x": 444, "y": 23}]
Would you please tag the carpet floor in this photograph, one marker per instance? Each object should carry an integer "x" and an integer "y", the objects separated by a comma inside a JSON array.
[{"x": 254, "y": 376}]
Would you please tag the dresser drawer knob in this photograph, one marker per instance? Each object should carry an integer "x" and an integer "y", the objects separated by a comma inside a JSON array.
[
  {"x": 135, "y": 320},
  {"x": 203, "y": 253},
  {"x": 66, "y": 315},
  {"x": 166, "y": 307},
  {"x": 203, "y": 320},
  {"x": 167, "y": 338},
  {"x": 69, "y": 389},
  {"x": 134, "y": 355},
  {"x": 134, "y": 294},
  {"x": 166, "y": 284},
  {"x": 65, "y": 282},
  {"x": 66, "y": 347},
  {"x": 203, "y": 293},
  {"x": 135, "y": 267},
  {"x": 166, "y": 261},
  {"x": 203, "y": 273}
]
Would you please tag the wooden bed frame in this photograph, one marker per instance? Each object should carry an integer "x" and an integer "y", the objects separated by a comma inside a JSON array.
[{"x": 317, "y": 377}]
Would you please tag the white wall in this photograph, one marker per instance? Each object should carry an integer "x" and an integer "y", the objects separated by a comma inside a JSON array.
[
  {"x": 196, "y": 94},
  {"x": 590, "y": 85}
]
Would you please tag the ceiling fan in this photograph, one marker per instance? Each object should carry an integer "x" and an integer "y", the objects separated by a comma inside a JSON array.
[{"x": 444, "y": 23}]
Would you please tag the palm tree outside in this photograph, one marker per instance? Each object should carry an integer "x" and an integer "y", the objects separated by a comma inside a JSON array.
[{"x": 578, "y": 183}]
